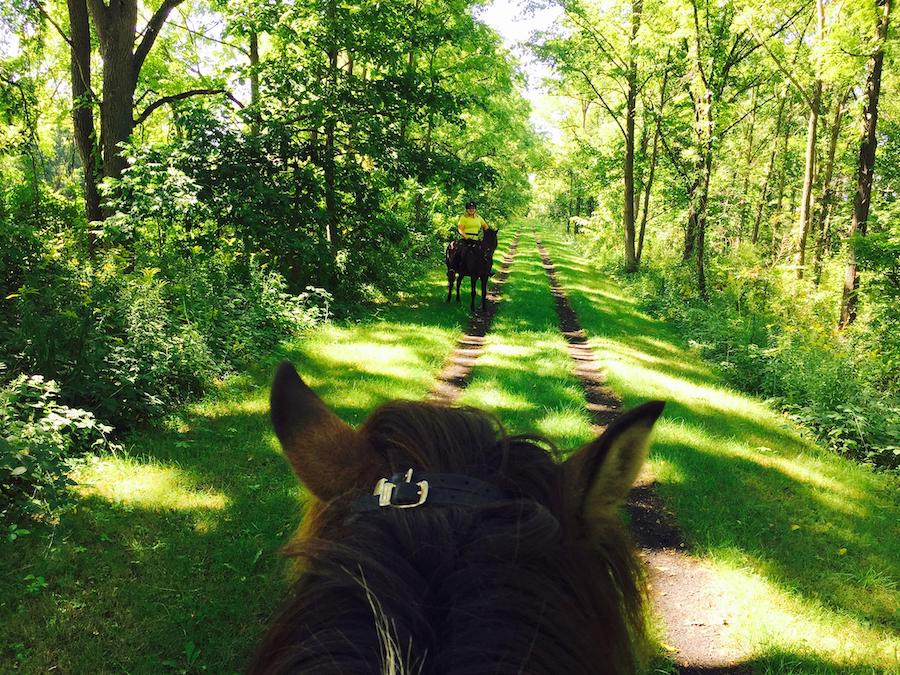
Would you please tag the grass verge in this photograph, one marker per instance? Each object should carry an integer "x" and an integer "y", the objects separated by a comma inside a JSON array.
[
  {"x": 805, "y": 542},
  {"x": 169, "y": 561}
]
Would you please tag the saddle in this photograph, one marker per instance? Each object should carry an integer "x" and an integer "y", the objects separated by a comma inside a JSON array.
[{"x": 459, "y": 252}]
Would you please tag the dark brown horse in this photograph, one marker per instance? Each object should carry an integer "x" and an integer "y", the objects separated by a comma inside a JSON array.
[
  {"x": 472, "y": 259},
  {"x": 477, "y": 553}
]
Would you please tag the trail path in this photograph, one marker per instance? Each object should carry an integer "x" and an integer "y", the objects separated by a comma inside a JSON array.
[
  {"x": 692, "y": 612},
  {"x": 454, "y": 375}
]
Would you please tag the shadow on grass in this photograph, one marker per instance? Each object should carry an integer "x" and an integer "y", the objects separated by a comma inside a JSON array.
[
  {"x": 524, "y": 376},
  {"x": 746, "y": 487},
  {"x": 170, "y": 560}
]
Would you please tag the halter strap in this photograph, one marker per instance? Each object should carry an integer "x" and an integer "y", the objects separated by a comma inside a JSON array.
[{"x": 403, "y": 491}]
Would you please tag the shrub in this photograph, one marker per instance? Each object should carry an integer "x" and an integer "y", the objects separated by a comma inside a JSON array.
[
  {"x": 39, "y": 440},
  {"x": 769, "y": 343}
]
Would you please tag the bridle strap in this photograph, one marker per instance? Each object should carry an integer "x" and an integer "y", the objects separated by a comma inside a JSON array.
[{"x": 405, "y": 491}]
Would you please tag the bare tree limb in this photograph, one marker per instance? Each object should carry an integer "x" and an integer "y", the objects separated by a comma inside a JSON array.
[
  {"x": 175, "y": 97},
  {"x": 151, "y": 31},
  {"x": 603, "y": 101}
]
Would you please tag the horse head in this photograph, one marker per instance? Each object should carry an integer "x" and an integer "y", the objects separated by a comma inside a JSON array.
[
  {"x": 489, "y": 240},
  {"x": 477, "y": 553}
]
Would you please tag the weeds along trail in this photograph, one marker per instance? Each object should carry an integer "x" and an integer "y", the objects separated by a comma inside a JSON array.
[
  {"x": 801, "y": 542},
  {"x": 681, "y": 587}
]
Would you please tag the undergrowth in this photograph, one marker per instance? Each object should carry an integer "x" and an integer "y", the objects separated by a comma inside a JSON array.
[{"x": 775, "y": 338}]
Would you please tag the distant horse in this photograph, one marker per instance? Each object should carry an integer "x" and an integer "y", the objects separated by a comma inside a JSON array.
[
  {"x": 477, "y": 552},
  {"x": 470, "y": 259}
]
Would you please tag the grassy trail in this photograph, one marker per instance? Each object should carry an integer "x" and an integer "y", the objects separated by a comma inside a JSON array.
[
  {"x": 805, "y": 543},
  {"x": 170, "y": 561},
  {"x": 170, "y": 564}
]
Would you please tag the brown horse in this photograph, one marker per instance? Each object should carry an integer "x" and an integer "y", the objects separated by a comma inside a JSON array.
[
  {"x": 477, "y": 553},
  {"x": 472, "y": 259}
]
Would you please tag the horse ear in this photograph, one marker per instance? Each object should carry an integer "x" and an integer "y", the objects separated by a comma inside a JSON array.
[
  {"x": 601, "y": 473},
  {"x": 327, "y": 454}
]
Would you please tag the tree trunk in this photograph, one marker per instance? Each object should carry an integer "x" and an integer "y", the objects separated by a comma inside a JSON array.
[
  {"x": 254, "y": 82},
  {"x": 814, "y": 105},
  {"x": 331, "y": 209},
  {"x": 865, "y": 174},
  {"x": 83, "y": 115},
  {"x": 806, "y": 196},
  {"x": 116, "y": 27},
  {"x": 653, "y": 157},
  {"x": 702, "y": 212},
  {"x": 745, "y": 199},
  {"x": 828, "y": 188},
  {"x": 631, "y": 263},
  {"x": 769, "y": 168}
]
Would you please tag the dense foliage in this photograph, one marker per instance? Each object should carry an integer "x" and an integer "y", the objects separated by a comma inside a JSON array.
[
  {"x": 742, "y": 124},
  {"x": 220, "y": 226},
  {"x": 40, "y": 439}
]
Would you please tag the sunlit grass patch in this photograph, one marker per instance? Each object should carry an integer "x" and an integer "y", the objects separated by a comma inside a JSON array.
[
  {"x": 492, "y": 394},
  {"x": 805, "y": 542},
  {"x": 122, "y": 480},
  {"x": 567, "y": 425},
  {"x": 767, "y": 619}
]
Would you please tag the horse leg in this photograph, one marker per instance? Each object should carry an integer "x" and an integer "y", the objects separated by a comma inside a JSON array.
[
  {"x": 450, "y": 277},
  {"x": 458, "y": 283},
  {"x": 484, "y": 293},
  {"x": 474, "y": 281}
]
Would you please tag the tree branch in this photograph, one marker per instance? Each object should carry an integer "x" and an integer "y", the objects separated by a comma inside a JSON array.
[
  {"x": 722, "y": 133},
  {"x": 40, "y": 8},
  {"x": 191, "y": 31},
  {"x": 598, "y": 38},
  {"x": 697, "y": 40},
  {"x": 151, "y": 31},
  {"x": 177, "y": 97},
  {"x": 763, "y": 43},
  {"x": 674, "y": 159},
  {"x": 602, "y": 101}
]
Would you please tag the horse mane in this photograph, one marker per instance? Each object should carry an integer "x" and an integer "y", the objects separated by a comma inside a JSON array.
[{"x": 509, "y": 586}]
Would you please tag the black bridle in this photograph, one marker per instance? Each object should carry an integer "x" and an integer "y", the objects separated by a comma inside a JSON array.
[{"x": 404, "y": 491}]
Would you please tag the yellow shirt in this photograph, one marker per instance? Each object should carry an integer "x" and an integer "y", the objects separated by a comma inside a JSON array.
[{"x": 471, "y": 226}]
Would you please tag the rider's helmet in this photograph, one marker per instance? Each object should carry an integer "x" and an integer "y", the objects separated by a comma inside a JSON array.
[{"x": 470, "y": 204}]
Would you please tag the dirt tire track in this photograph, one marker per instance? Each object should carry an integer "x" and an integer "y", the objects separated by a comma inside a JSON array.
[
  {"x": 454, "y": 374},
  {"x": 681, "y": 587}
]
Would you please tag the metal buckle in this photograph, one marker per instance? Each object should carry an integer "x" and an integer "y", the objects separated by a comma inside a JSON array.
[{"x": 384, "y": 490}]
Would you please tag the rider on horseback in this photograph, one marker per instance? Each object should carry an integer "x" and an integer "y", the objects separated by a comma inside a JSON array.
[{"x": 470, "y": 225}]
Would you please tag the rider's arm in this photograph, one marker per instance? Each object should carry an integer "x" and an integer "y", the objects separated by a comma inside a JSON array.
[
  {"x": 462, "y": 232},
  {"x": 484, "y": 224}
]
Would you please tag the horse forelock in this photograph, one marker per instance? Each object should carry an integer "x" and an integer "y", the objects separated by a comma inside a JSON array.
[{"x": 503, "y": 587}]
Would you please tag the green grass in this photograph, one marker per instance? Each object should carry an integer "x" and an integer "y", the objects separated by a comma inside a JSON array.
[
  {"x": 524, "y": 375},
  {"x": 805, "y": 542},
  {"x": 169, "y": 562}
]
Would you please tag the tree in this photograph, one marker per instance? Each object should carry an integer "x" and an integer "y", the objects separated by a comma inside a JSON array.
[
  {"x": 123, "y": 57},
  {"x": 866, "y": 164},
  {"x": 615, "y": 82}
]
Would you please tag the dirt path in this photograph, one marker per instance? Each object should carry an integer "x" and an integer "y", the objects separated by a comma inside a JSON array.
[
  {"x": 693, "y": 614},
  {"x": 454, "y": 374}
]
